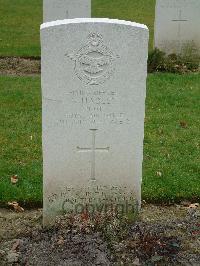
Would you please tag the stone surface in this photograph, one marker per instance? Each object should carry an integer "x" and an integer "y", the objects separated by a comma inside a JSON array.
[
  {"x": 66, "y": 9},
  {"x": 93, "y": 87},
  {"x": 177, "y": 26}
]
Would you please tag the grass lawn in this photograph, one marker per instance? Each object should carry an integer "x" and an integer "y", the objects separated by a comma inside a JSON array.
[
  {"x": 19, "y": 31},
  {"x": 20, "y": 21},
  {"x": 170, "y": 148},
  {"x": 20, "y": 139}
]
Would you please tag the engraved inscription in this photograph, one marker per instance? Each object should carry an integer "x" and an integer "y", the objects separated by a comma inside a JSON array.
[
  {"x": 93, "y": 151},
  {"x": 92, "y": 192},
  {"x": 96, "y": 108},
  {"x": 94, "y": 199},
  {"x": 112, "y": 118},
  {"x": 175, "y": 3},
  {"x": 94, "y": 61},
  {"x": 179, "y": 3},
  {"x": 85, "y": 97}
]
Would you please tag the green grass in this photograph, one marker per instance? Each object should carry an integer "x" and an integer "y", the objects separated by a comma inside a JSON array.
[
  {"x": 21, "y": 19},
  {"x": 169, "y": 148},
  {"x": 19, "y": 31},
  {"x": 20, "y": 139}
]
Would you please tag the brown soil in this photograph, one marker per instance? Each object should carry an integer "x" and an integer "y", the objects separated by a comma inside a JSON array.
[
  {"x": 160, "y": 236},
  {"x": 19, "y": 66},
  {"x": 16, "y": 66}
]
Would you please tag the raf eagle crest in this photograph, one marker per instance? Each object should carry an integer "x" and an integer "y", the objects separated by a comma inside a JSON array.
[{"x": 94, "y": 61}]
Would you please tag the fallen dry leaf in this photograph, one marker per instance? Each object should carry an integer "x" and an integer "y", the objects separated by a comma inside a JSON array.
[
  {"x": 161, "y": 131},
  {"x": 193, "y": 206},
  {"x": 14, "y": 179},
  {"x": 16, "y": 206},
  {"x": 60, "y": 240},
  {"x": 136, "y": 262},
  {"x": 158, "y": 173},
  {"x": 16, "y": 245},
  {"x": 183, "y": 124},
  {"x": 85, "y": 216}
]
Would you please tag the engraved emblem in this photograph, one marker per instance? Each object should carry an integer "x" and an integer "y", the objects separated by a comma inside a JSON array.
[{"x": 94, "y": 61}]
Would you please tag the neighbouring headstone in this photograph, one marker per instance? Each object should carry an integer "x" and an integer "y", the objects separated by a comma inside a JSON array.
[
  {"x": 177, "y": 27},
  {"x": 66, "y": 9},
  {"x": 93, "y": 87}
]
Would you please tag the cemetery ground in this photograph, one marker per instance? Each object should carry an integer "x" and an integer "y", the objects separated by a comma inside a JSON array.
[
  {"x": 160, "y": 236},
  {"x": 164, "y": 234}
]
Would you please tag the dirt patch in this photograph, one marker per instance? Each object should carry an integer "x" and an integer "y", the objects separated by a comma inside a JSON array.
[
  {"x": 16, "y": 66},
  {"x": 157, "y": 62},
  {"x": 160, "y": 236}
]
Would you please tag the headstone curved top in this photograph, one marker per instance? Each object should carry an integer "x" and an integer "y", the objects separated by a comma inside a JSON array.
[
  {"x": 66, "y": 9},
  {"x": 93, "y": 87},
  {"x": 177, "y": 26}
]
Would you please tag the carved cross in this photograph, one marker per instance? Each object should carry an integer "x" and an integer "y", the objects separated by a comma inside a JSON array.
[
  {"x": 179, "y": 19},
  {"x": 93, "y": 151}
]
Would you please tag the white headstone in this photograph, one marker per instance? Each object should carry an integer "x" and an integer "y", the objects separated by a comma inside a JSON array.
[
  {"x": 66, "y": 9},
  {"x": 177, "y": 26},
  {"x": 93, "y": 87}
]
